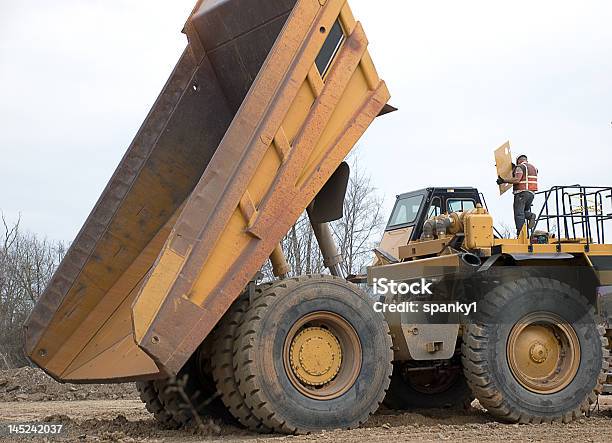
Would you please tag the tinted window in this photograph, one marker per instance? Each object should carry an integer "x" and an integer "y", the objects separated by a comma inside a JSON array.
[
  {"x": 405, "y": 210},
  {"x": 460, "y": 205},
  {"x": 329, "y": 48}
]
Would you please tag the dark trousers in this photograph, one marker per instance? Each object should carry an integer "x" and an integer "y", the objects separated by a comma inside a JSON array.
[{"x": 522, "y": 209}]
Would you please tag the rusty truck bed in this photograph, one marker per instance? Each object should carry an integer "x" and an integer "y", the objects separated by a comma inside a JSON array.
[{"x": 252, "y": 122}]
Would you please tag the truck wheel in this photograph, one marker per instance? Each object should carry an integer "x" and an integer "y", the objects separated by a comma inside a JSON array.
[
  {"x": 607, "y": 389},
  {"x": 149, "y": 396},
  {"x": 443, "y": 387},
  {"x": 223, "y": 367},
  {"x": 536, "y": 353},
  {"x": 312, "y": 354}
]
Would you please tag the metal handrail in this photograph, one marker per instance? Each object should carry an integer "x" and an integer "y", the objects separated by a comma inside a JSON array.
[{"x": 576, "y": 221}]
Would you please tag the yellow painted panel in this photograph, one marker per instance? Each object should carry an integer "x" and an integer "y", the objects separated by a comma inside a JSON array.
[
  {"x": 267, "y": 170},
  {"x": 124, "y": 358},
  {"x": 299, "y": 111},
  {"x": 392, "y": 240},
  {"x": 232, "y": 242},
  {"x": 107, "y": 308},
  {"x": 594, "y": 249},
  {"x": 116, "y": 327},
  {"x": 156, "y": 288},
  {"x": 355, "y": 93}
]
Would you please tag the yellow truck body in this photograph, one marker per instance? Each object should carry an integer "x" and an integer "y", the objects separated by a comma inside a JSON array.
[{"x": 262, "y": 107}]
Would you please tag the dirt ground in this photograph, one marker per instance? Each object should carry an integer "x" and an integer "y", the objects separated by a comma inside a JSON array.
[
  {"x": 30, "y": 384},
  {"x": 121, "y": 417}
]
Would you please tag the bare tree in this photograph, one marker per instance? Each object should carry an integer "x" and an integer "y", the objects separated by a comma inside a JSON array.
[
  {"x": 27, "y": 263},
  {"x": 358, "y": 231},
  {"x": 505, "y": 231},
  {"x": 355, "y": 233},
  {"x": 301, "y": 250}
]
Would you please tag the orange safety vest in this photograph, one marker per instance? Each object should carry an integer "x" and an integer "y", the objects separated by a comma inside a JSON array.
[{"x": 529, "y": 181}]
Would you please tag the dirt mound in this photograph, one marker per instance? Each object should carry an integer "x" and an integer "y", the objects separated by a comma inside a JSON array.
[
  {"x": 113, "y": 413},
  {"x": 122, "y": 429},
  {"x": 30, "y": 384},
  {"x": 128, "y": 421},
  {"x": 430, "y": 417}
]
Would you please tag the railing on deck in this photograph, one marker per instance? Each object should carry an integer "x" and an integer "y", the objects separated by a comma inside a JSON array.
[{"x": 576, "y": 212}]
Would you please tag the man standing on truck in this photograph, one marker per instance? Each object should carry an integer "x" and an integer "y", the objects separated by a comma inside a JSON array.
[{"x": 524, "y": 184}]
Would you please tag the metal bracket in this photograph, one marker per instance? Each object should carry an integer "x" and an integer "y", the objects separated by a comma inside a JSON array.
[
  {"x": 487, "y": 264},
  {"x": 434, "y": 346}
]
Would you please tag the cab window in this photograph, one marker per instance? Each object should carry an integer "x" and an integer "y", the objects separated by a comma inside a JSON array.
[
  {"x": 460, "y": 205},
  {"x": 405, "y": 211}
]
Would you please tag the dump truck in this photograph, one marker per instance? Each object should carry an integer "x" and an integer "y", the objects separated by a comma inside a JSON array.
[
  {"x": 251, "y": 128},
  {"x": 160, "y": 286},
  {"x": 538, "y": 348}
]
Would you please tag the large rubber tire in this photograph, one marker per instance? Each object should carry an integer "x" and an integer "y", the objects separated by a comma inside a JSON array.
[
  {"x": 485, "y": 358},
  {"x": 259, "y": 356},
  {"x": 404, "y": 395},
  {"x": 223, "y": 371},
  {"x": 608, "y": 383},
  {"x": 150, "y": 397}
]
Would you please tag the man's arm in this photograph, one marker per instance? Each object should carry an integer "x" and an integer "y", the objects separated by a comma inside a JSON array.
[
  {"x": 516, "y": 178},
  {"x": 513, "y": 180}
]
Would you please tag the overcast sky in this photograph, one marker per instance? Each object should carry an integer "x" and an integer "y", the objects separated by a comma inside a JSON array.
[{"x": 77, "y": 79}]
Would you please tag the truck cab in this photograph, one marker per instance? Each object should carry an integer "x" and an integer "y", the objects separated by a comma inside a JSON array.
[{"x": 413, "y": 208}]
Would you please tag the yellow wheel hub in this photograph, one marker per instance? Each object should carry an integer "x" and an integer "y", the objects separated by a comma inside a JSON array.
[
  {"x": 322, "y": 355},
  {"x": 315, "y": 356},
  {"x": 543, "y": 352},
  {"x": 538, "y": 352}
]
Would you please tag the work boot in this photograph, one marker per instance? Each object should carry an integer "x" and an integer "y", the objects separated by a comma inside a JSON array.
[{"x": 532, "y": 222}]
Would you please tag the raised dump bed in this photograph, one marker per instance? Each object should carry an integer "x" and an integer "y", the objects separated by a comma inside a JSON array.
[{"x": 262, "y": 107}]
